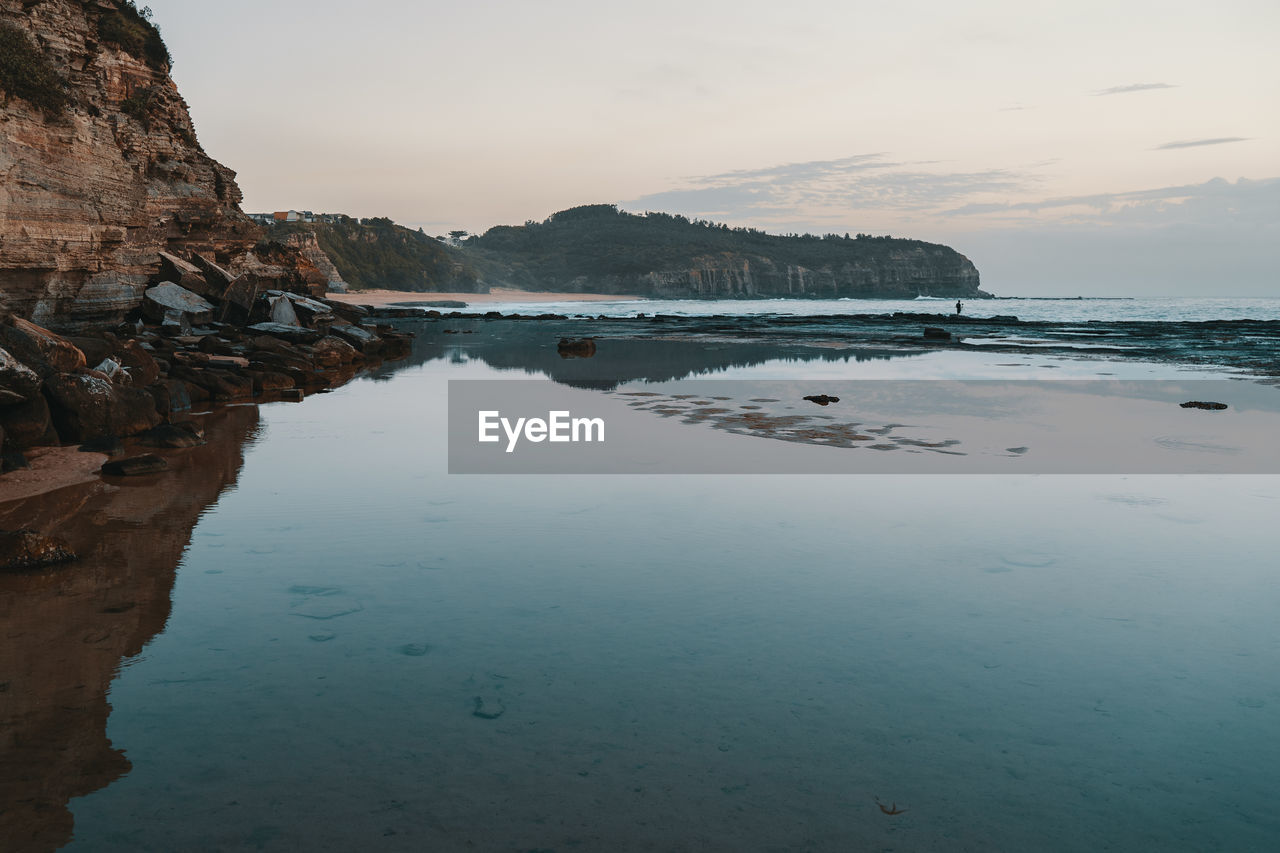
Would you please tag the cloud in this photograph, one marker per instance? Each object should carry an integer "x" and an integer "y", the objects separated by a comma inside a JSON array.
[
  {"x": 828, "y": 190},
  {"x": 1196, "y": 143},
  {"x": 1132, "y": 87}
]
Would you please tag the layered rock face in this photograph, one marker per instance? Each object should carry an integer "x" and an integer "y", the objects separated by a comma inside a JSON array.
[
  {"x": 90, "y": 196},
  {"x": 903, "y": 274}
]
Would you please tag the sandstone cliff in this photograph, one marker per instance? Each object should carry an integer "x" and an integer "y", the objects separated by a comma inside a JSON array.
[
  {"x": 90, "y": 194},
  {"x": 602, "y": 249}
]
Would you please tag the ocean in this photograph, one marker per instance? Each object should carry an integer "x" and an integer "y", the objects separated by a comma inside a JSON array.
[{"x": 316, "y": 638}]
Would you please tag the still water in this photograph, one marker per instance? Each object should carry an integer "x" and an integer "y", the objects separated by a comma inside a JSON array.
[
  {"x": 360, "y": 651},
  {"x": 1144, "y": 309}
]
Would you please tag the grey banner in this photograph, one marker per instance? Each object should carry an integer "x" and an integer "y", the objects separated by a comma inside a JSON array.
[{"x": 864, "y": 427}]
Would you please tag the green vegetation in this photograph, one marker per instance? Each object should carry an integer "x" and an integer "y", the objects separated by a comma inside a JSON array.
[
  {"x": 379, "y": 253},
  {"x": 26, "y": 73},
  {"x": 599, "y": 246},
  {"x": 138, "y": 104},
  {"x": 130, "y": 29}
]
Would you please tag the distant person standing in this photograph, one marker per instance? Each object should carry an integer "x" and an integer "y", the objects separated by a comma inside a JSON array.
[{"x": 959, "y": 306}]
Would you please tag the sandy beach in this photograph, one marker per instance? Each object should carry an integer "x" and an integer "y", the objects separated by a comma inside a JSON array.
[{"x": 390, "y": 297}]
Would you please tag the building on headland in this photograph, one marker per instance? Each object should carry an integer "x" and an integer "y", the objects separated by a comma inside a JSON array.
[{"x": 307, "y": 216}]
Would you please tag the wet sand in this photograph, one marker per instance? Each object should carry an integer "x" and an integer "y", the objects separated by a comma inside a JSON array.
[
  {"x": 381, "y": 297},
  {"x": 51, "y": 468}
]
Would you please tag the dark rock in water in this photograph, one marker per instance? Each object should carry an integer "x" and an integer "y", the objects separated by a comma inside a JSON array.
[
  {"x": 933, "y": 333},
  {"x": 18, "y": 383},
  {"x": 360, "y": 338},
  {"x": 1201, "y": 404},
  {"x": 292, "y": 334},
  {"x": 134, "y": 466},
  {"x": 576, "y": 347},
  {"x": 415, "y": 650},
  {"x": 291, "y": 395},
  {"x": 84, "y": 406},
  {"x": 822, "y": 399},
  {"x": 13, "y": 460},
  {"x": 491, "y": 710},
  {"x": 28, "y": 424},
  {"x": 107, "y": 444},
  {"x": 177, "y": 435},
  {"x": 444, "y": 303},
  {"x": 171, "y": 395},
  {"x": 27, "y": 549}
]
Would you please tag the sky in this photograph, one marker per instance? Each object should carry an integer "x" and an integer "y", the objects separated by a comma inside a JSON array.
[{"x": 1089, "y": 148}]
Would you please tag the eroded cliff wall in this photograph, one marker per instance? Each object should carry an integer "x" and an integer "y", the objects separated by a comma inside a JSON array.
[{"x": 90, "y": 194}]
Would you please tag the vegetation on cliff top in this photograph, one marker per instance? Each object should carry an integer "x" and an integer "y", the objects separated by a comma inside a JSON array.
[
  {"x": 130, "y": 29},
  {"x": 379, "y": 253},
  {"x": 26, "y": 73},
  {"x": 598, "y": 240}
]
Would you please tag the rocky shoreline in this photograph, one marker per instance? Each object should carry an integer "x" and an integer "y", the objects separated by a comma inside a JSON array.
[{"x": 202, "y": 337}]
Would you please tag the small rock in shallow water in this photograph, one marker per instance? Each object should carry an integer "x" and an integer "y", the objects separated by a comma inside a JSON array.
[
  {"x": 491, "y": 710},
  {"x": 27, "y": 549},
  {"x": 134, "y": 466},
  {"x": 415, "y": 650},
  {"x": 822, "y": 399},
  {"x": 1201, "y": 404}
]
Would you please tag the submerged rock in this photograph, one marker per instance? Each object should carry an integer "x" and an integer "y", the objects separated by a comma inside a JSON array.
[
  {"x": 26, "y": 549},
  {"x": 488, "y": 710},
  {"x": 576, "y": 347},
  {"x": 134, "y": 466}
]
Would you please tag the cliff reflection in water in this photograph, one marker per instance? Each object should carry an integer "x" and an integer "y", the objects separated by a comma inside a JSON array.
[
  {"x": 67, "y": 631},
  {"x": 530, "y": 347}
]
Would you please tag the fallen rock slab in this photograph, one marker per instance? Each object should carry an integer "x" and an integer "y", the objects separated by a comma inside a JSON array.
[
  {"x": 172, "y": 301},
  {"x": 292, "y": 334}
]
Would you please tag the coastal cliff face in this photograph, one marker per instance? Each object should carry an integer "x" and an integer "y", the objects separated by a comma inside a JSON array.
[
  {"x": 904, "y": 273},
  {"x": 91, "y": 193}
]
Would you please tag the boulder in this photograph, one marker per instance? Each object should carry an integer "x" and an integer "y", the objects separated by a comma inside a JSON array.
[
  {"x": 822, "y": 399},
  {"x": 282, "y": 311},
  {"x": 218, "y": 278},
  {"x": 311, "y": 312},
  {"x": 142, "y": 367},
  {"x": 186, "y": 274},
  {"x": 933, "y": 333},
  {"x": 238, "y": 300},
  {"x": 22, "y": 550},
  {"x": 28, "y": 424},
  {"x": 38, "y": 348},
  {"x": 168, "y": 299},
  {"x": 269, "y": 381},
  {"x": 18, "y": 383},
  {"x": 291, "y": 334},
  {"x": 111, "y": 369},
  {"x": 84, "y": 407},
  {"x": 94, "y": 349},
  {"x": 134, "y": 466},
  {"x": 345, "y": 311},
  {"x": 331, "y": 351},
  {"x": 171, "y": 395},
  {"x": 359, "y": 337}
]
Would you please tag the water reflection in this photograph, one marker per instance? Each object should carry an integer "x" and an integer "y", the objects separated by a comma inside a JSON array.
[{"x": 67, "y": 631}]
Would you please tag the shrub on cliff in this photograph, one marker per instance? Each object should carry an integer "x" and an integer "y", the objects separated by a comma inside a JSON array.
[
  {"x": 131, "y": 30},
  {"x": 25, "y": 72}
]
